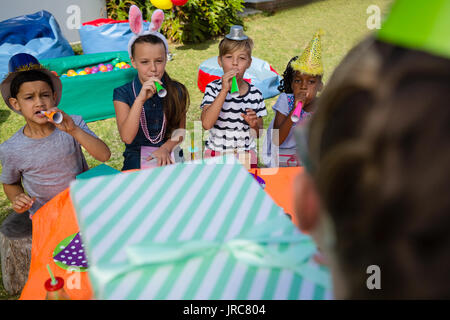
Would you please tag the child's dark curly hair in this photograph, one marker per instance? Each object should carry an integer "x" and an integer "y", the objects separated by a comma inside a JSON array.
[{"x": 288, "y": 75}]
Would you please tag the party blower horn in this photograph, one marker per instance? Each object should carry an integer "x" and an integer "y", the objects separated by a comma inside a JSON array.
[
  {"x": 234, "y": 87},
  {"x": 160, "y": 89},
  {"x": 56, "y": 116},
  {"x": 296, "y": 114}
]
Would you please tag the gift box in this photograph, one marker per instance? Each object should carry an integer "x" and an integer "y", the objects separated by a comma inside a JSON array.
[{"x": 195, "y": 230}]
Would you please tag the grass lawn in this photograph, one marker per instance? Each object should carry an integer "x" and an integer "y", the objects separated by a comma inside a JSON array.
[{"x": 277, "y": 38}]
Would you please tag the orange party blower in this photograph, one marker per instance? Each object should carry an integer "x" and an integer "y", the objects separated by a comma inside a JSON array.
[{"x": 57, "y": 117}]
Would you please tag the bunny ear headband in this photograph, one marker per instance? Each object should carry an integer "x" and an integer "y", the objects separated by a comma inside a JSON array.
[{"x": 137, "y": 26}]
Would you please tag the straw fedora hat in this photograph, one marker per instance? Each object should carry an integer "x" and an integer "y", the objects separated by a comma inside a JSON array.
[{"x": 24, "y": 62}]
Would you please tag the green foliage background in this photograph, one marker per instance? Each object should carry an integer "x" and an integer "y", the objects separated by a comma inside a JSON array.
[{"x": 195, "y": 22}]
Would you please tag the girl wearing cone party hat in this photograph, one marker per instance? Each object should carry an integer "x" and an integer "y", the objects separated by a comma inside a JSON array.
[{"x": 301, "y": 82}]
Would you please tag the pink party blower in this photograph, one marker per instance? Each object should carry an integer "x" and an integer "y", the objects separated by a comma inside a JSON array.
[{"x": 296, "y": 114}]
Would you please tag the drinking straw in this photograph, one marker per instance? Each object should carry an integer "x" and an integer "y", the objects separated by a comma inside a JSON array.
[
  {"x": 51, "y": 275},
  {"x": 192, "y": 146}
]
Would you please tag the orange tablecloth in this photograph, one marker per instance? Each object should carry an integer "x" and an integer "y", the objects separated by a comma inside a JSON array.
[
  {"x": 57, "y": 220},
  {"x": 51, "y": 224},
  {"x": 279, "y": 182}
]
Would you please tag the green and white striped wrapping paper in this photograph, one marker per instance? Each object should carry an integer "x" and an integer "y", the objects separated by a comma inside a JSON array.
[{"x": 181, "y": 203}]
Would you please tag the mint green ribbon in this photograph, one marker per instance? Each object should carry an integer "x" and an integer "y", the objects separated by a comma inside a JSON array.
[{"x": 258, "y": 247}]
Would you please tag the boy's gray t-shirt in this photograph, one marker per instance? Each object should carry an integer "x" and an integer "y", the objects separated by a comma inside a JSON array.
[{"x": 46, "y": 166}]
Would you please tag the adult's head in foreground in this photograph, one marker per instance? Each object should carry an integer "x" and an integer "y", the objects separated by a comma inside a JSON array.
[{"x": 377, "y": 161}]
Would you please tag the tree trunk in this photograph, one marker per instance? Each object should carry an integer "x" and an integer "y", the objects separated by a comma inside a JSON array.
[
  {"x": 15, "y": 251},
  {"x": 15, "y": 259}
]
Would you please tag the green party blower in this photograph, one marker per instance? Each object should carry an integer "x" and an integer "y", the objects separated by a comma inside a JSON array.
[
  {"x": 160, "y": 89},
  {"x": 234, "y": 87}
]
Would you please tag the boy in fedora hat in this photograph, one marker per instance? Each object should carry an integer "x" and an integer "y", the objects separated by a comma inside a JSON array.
[
  {"x": 43, "y": 157},
  {"x": 233, "y": 120}
]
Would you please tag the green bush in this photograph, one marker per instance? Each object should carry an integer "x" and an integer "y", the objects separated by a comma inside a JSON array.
[
  {"x": 196, "y": 21},
  {"x": 118, "y": 9}
]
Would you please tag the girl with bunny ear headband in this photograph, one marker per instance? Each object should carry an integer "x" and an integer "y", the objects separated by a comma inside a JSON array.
[
  {"x": 145, "y": 119},
  {"x": 137, "y": 27}
]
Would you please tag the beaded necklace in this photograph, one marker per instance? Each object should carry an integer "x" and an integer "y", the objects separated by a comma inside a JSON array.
[{"x": 143, "y": 122}]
